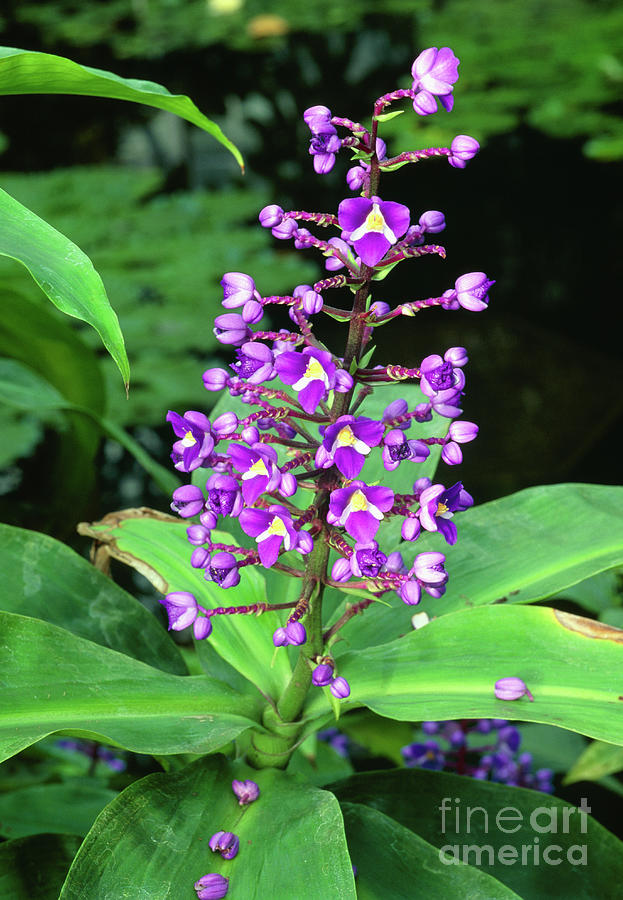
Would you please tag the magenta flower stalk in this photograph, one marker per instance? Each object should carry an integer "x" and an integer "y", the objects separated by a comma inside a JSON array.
[{"x": 306, "y": 469}]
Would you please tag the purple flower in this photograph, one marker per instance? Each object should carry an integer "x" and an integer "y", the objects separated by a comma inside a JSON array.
[
  {"x": 372, "y": 225},
  {"x": 347, "y": 442},
  {"x": 360, "y": 509},
  {"x": 472, "y": 291},
  {"x": 226, "y": 843},
  {"x": 432, "y": 221},
  {"x": 246, "y": 791},
  {"x": 428, "y": 569},
  {"x": 223, "y": 570},
  {"x": 196, "y": 442},
  {"x": 316, "y": 114},
  {"x": 511, "y": 688},
  {"x": 340, "y": 688},
  {"x": 181, "y": 607},
  {"x": 333, "y": 263},
  {"x": 437, "y": 506},
  {"x": 463, "y": 149},
  {"x": 434, "y": 74},
  {"x": 215, "y": 379},
  {"x": 324, "y": 145},
  {"x": 258, "y": 467},
  {"x": 224, "y": 496},
  {"x": 428, "y": 755},
  {"x": 202, "y": 628},
  {"x": 285, "y": 230},
  {"x": 254, "y": 362},
  {"x": 271, "y": 528},
  {"x": 367, "y": 560},
  {"x": 188, "y": 500},
  {"x": 397, "y": 448},
  {"x": 312, "y": 374},
  {"x": 238, "y": 289},
  {"x": 211, "y": 887}
]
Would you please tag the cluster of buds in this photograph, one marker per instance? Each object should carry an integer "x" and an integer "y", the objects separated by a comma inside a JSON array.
[
  {"x": 303, "y": 435},
  {"x": 214, "y": 886},
  {"x": 498, "y": 761}
]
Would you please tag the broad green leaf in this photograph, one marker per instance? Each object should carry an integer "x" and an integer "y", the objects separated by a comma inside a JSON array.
[
  {"x": 152, "y": 841},
  {"x": 590, "y": 862},
  {"x": 68, "y": 808},
  {"x": 23, "y": 388},
  {"x": 394, "y": 863},
  {"x": 448, "y": 668},
  {"x": 156, "y": 546},
  {"x": 36, "y": 866},
  {"x": 316, "y": 762},
  {"x": 45, "y": 579},
  {"x": 63, "y": 272},
  {"x": 28, "y": 72},
  {"x": 54, "y": 681},
  {"x": 596, "y": 594},
  {"x": 530, "y": 545},
  {"x": 597, "y": 760}
]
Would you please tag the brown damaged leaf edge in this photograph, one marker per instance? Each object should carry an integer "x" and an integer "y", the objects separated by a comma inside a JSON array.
[
  {"x": 105, "y": 547},
  {"x": 589, "y": 627}
]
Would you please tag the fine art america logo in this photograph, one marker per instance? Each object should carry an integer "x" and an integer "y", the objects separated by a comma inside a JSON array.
[{"x": 536, "y": 845}]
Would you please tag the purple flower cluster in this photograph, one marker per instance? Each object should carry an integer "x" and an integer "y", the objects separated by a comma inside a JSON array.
[
  {"x": 304, "y": 436},
  {"x": 493, "y": 755},
  {"x": 227, "y": 844}
]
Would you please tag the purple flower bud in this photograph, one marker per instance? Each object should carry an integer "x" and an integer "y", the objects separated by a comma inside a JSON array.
[
  {"x": 395, "y": 563},
  {"x": 252, "y": 312},
  {"x": 250, "y": 434},
  {"x": 428, "y": 568},
  {"x": 181, "y": 608},
  {"x": 430, "y": 727},
  {"x": 511, "y": 688},
  {"x": 457, "y": 356},
  {"x": 288, "y": 485},
  {"x": 305, "y": 543},
  {"x": 280, "y": 638},
  {"x": 215, "y": 379},
  {"x": 463, "y": 149},
  {"x": 237, "y": 289},
  {"x": 424, "y": 103},
  {"x": 341, "y": 570},
  {"x": 246, "y": 791},
  {"x": 226, "y": 843},
  {"x": 322, "y": 113},
  {"x": 463, "y": 432},
  {"x": 230, "y": 328},
  {"x": 312, "y": 302},
  {"x": 410, "y": 529},
  {"x": 398, "y": 407},
  {"x": 452, "y": 454},
  {"x": 472, "y": 291},
  {"x": 301, "y": 242},
  {"x": 356, "y": 178},
  {"x": 223, "y": 570},
  {"x": 271, "y": 216},
  {"x": 322, "y": 675},
  {"x": 285, "y": 230},
  {"x": 340, "y": 688},
  {"x": 432, "y": 221},
  {"x": 410, "y": 593},
  {"x": 343, "y": 381},
  {"x": 200, "y": 558},
  {"x": 187, "y": 500},
  {"x": 202, "y": 628},
  {"x": 197, "y": 535},
  {"x": 295, "y": 633},
  {"x": 208, "y": 519},
  {"x": 211, "y": 887},
  {"x": 225, "y": 424}
]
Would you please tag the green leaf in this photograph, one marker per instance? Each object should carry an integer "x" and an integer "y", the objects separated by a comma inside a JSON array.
[
  {"x": 45, "y": 579},
  {"x": 153, "y": 840},
  {"x": 597, "y": 760},
  {"x": 414, "y": 799},
  {"x": 25, "y": 389},
  {"x": 36, "y": 866},
  {"x": 388, "y": 856},
  {"x": 54, "y": 681},
  {"x": 385, "y": 117},
  {"x": 448, "y": 668},
  {"x": 53, "y": 808},
  {"x": 159, "y": 549},
  {"x": 63, "y": 272},
  {"x": 530, "y": 545},
  {"x": 28, "y": 72}
]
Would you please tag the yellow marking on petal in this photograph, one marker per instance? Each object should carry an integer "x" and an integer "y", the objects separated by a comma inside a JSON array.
[
  {"x": 345, "y": 437},
  {"x": 277, "y": 526},
  {"x": 258, "y": 468},
  {"x": 358, "y": 502},
  {"x": 188, "y": 440},
  {"x": 375, "y": 220},
  {"x": 314, "y": 370}
]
